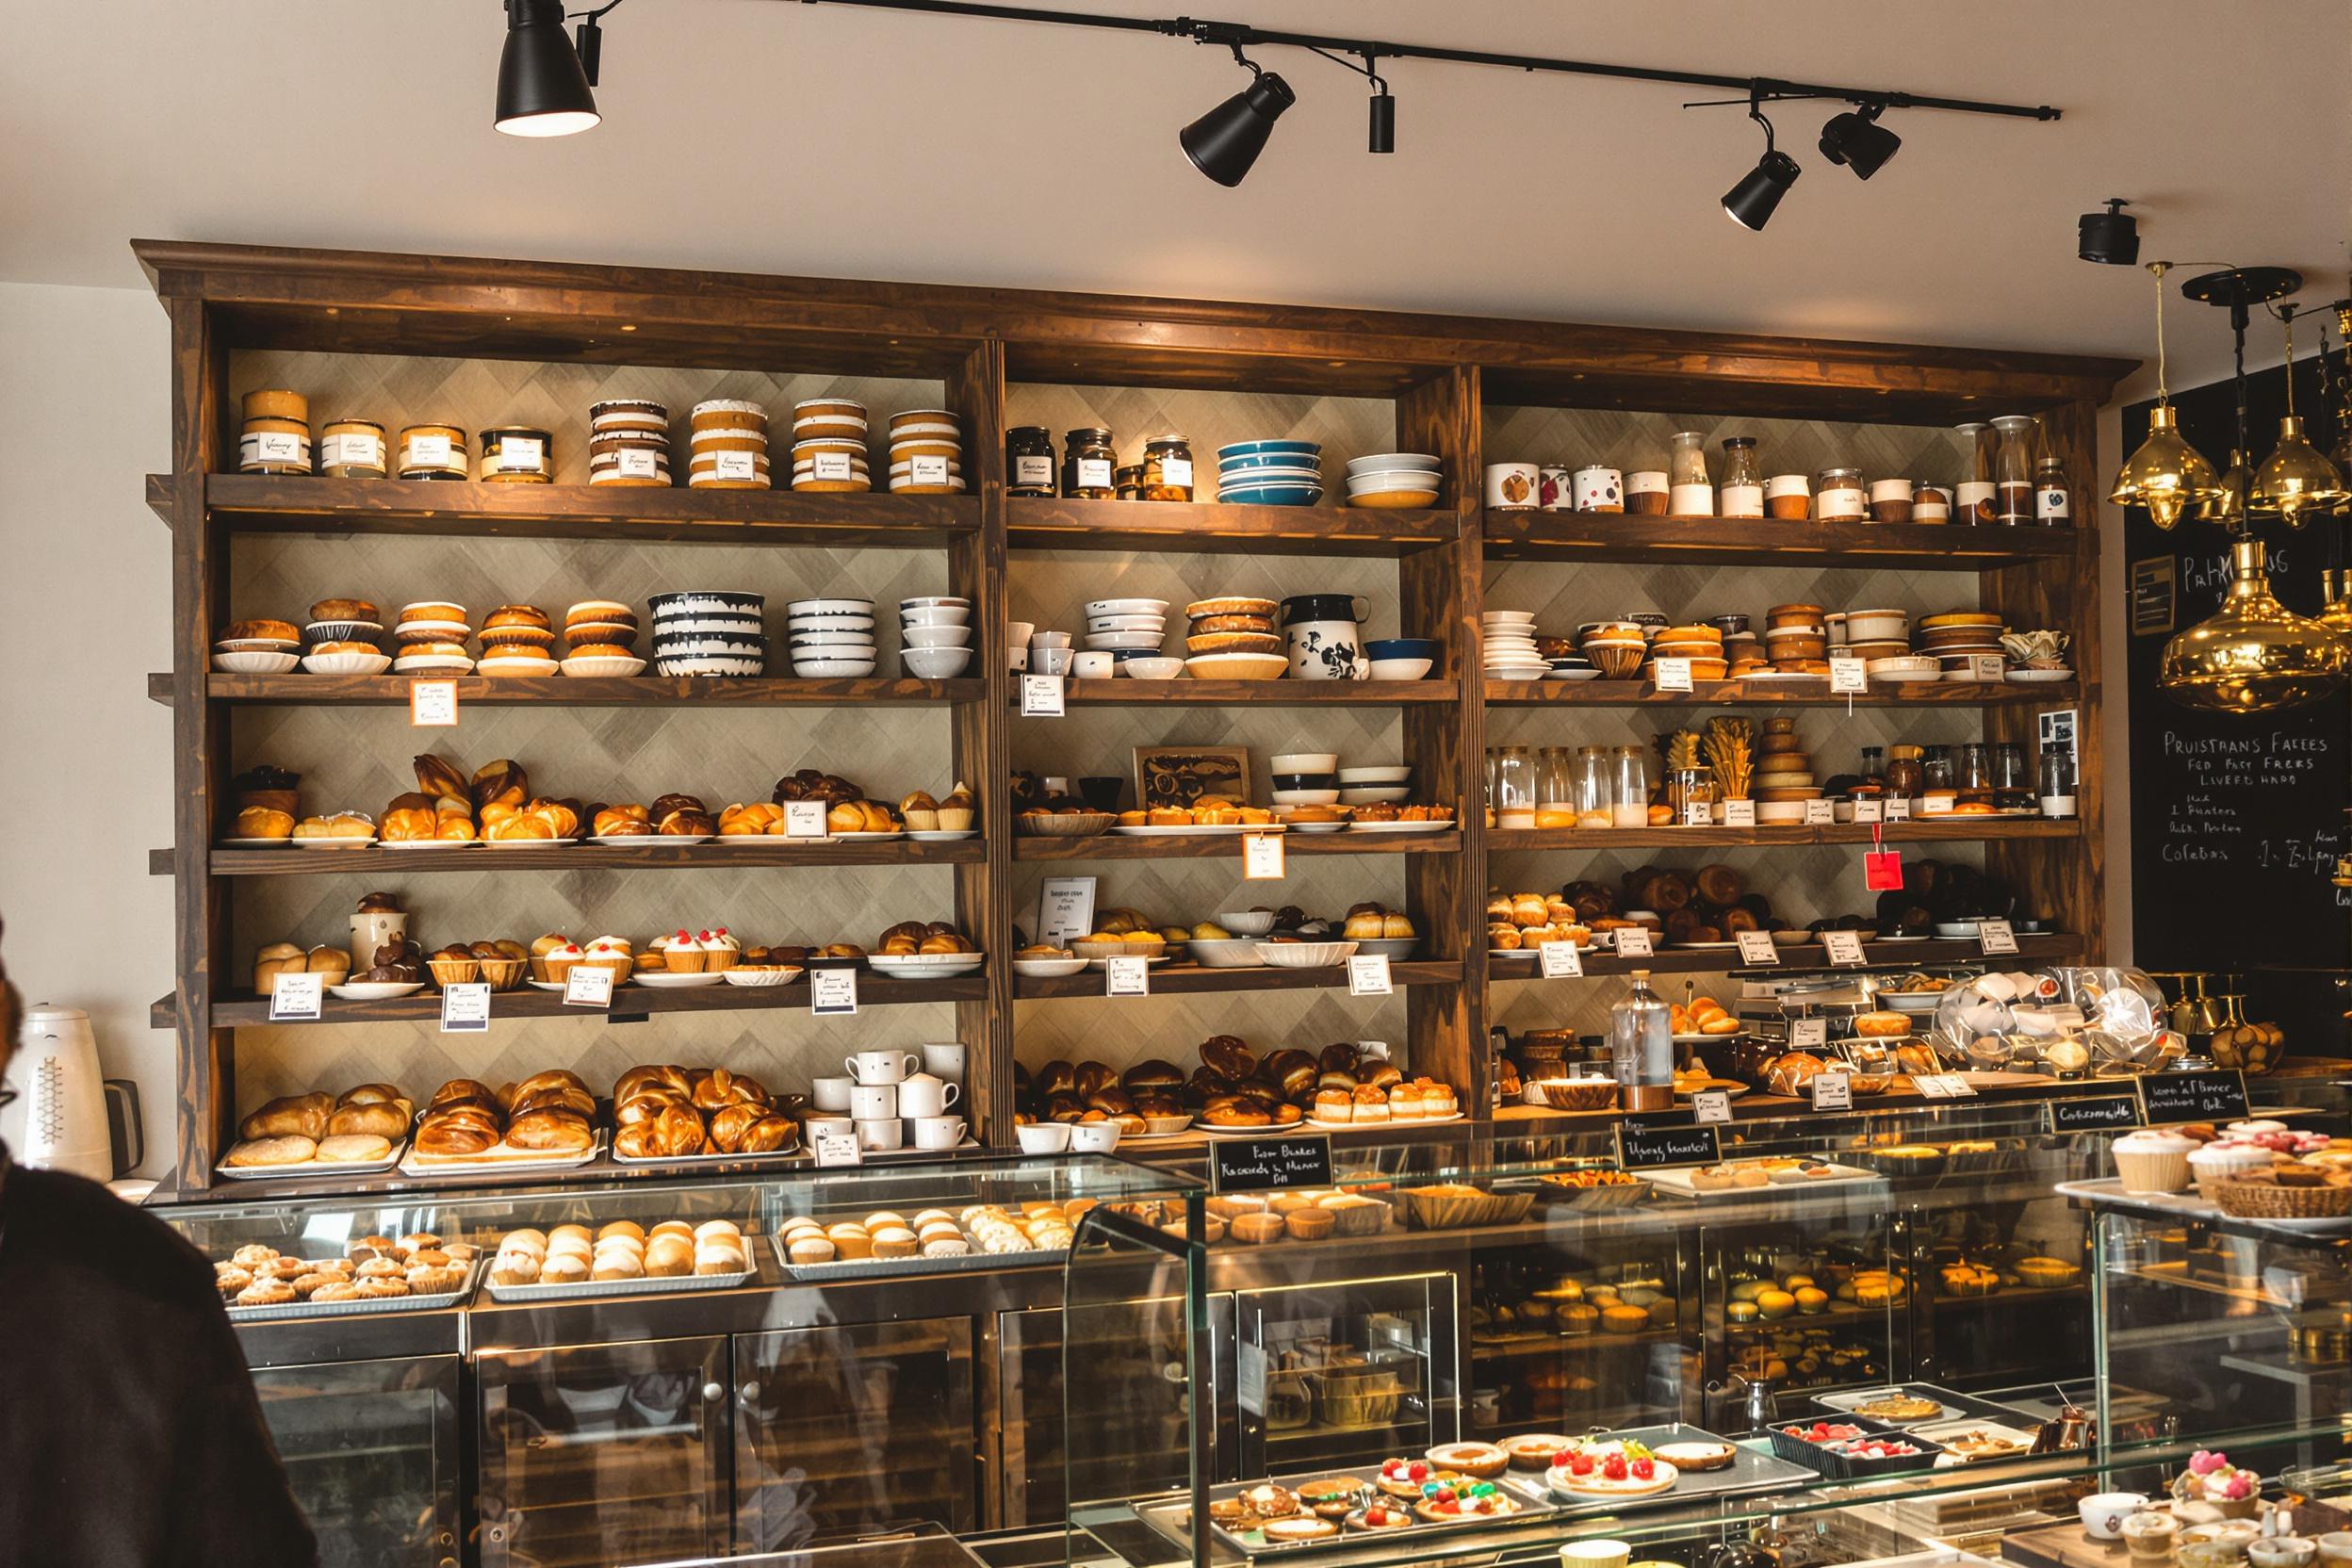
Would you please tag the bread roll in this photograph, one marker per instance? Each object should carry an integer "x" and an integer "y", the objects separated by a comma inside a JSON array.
[
  {"x": 550, "y": 1131},
  {"x": 353, "y": 1148},
  {"x": 279, "y": 1149},
  {"x": 378, "y": 1119},
  {"x": 301, "y": 1114}
]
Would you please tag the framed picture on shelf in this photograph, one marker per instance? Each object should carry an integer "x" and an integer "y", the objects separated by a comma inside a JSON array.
[{"x": 1179, "y": 775}]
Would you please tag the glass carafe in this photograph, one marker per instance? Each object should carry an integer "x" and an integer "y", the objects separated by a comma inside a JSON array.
[
  {"x": 1973, "y": 777},
  {"x": 1515, "y": 787},
  {"x": 2012, "y": 470},
  {"x": 2013, "y": 787},
  {"x": 2057, "y": 781},
  {"x": 1555, "y": 789},
  {"x": 1595, "y": 787},
  {"x": 1629, "y": 789},
  {"x": 1973, "y": 502},
  {"x": 1689, "y": 493},
  {"x": 1905, "y": 775},
  {"x": 1743, "y": 491},
  {"x": 1642, "y": 1047}
]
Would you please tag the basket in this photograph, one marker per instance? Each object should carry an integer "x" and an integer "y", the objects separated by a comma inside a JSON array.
[
  {"x": 2209, "y": 1183},
  {"x": 503, "y": 974},
  {"x": 1358, "y": 1399},
  {"x": 1845, "y": 1467},
  {"x": 1369, "y": 1218},
  {"x": 1617, "y": 660},
  {"x": 1080, "y": 824},
  {"x": 1449, "y": 1207},
  {"x": 2269, "y": 1200},
  {"x": 1578, "y": 1094},
  {"x": 1600, "y": 1200}
]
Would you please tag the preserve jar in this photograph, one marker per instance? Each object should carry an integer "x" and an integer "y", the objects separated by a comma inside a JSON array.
[
  {"x": 1515, "y": 787},
  {"x": 352, "y": 449},
  {"x": 1741, "y": 494},
  {"x": 1088, "y": 460},
  {"x": 275, "y": 437},
  {"x": 1691, "y": 793},
  {"x": 1555, "y": 789},
  {"x": 1689, "y": 492},
  {"x": 1838, "y": 496},
  {"x": 2053, "y": 502},
  {"x": 433, "y": 451},
  {"x": 1973, "y": 503},
  {"x": 1593, "y": 786},
  {"x": 1168, "y": 468},
  {"x": 2014, "y": 788},
  {"x": 517, "y": 454},
  {"x": 1629, "y": 788},
  {"x": 1906, "y": 776},
  {"x": 2012, "y": 470},
  {"x": 1127, "y": 482},
  {"x": 1972, "y": 777},
  {"x": 1029, "y": 461}
]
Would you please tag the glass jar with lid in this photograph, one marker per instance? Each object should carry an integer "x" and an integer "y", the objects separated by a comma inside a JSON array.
[
  {"x": 1515, "y": 787},
  {"x": 2014, "y": 788},
  {"x": 1087, "y": 462},
  {"x": 2053, "y": 499},
  {"x": 1691, "y": 793},
  {"x": 1642, "y": 1047},
  {"x": 2012, "y": 470},
  {"x": 2057, "y": 780},
  {"x": 517, "y": 454},
  {"x": 1029, "y": 461},
  {"x": 1168, "y": 468},
  {"x": 352, "y": 449},
  {"x": 1629, "y": 788},
  {"x": 1555, "y": 789},
  {"x": 1594, "y": 786},
  {"x": 1907, "y": 774},
  {"x": 433, "y": 451},
  {"x": 1973, "y": 502},
  {"x": 1689, "y": 492},
  {"x": 1741, "y": 494},
  {"x": 1838, "y": 497},
  {"x": 1127, "y": 482},
  {"x": 1972, "y": 776}
]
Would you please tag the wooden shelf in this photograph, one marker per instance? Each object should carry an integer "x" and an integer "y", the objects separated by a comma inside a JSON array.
[
  {"x": 1262, "y": 694},
  {"x": 1733, "y": 542},
  {"x": 652, "y": 855},
  {"x": 1215, "y": 527},
  {"x": 1772, "y": 694},
  {"x": 260, "y": 503},
  {"x": 643, "y": 691},
  {"x": 1114, "y": 846},
  {"x": 873, "y": 990},
  {"x": 1808, "y": 955},
  {"x": 1179, "y": 978},
  {"x": 1916, "y": 831}
]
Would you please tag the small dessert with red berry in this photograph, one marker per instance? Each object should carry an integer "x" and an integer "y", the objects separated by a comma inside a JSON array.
[
  {"x": 1404, "y": 1477},
  {"x": 1534, "y": 1451},
  {"x": 1300, "y": 1526},
  {"x": 1463, "y": 1497},
  {"x": 1333, "y": 1498},
  {"x": 1608, "y": 1468},
  {"x": 1380, "y": 1517}
]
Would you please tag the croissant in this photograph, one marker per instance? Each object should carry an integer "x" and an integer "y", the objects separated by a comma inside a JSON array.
[
  {"x": 768, "y": 1136},
  {"x": 500, "y": 783},
  {"x": 439, "y": 778},
  {"x": 383, "y": 1119},
  {"x": 300, "y": 1115},
  {"x": 640, "y": 1077}
]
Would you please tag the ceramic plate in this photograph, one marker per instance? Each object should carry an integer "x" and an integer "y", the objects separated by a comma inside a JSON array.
[
  {"x": 942, "y": 835},
  {"x": 253, "y": 843},
  {"x": 332, "y": 843},
  {"x": 1104, "y": 963},
  {"x": 868, "y": 838},
  {"x": 529, "y": 843},
  {"x": 757, "y": 978},
  {"x": 591, "y": 669},
  {"x": 1047, "y": 969},
  {"x": 1400, "y": 827},
  {"x": 255, "y": 644},
  {"x": 1198, "y": 831},
  {"x": 430, "y": 843},
  {"x": 662, "y": 982},
  {"x": 649, "y": 837},
  {"x": 1386, "y": 1125},
  {"x": 2029, "y": 678},
  {"x": 253, "y": 661},
  {"x": 376, "y": 990},
  {"x": 924, "y": 966}
]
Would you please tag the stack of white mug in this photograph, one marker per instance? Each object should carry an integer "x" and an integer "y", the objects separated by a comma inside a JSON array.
[{"x": 892, "y": 1098}]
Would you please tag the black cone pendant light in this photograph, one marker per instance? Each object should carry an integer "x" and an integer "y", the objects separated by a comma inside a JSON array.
[
  {"x": 1224, "y": 142},
  {"x": 543, "y": 90}
]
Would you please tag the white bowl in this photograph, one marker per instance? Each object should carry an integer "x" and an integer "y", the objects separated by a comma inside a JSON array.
[
  {"x": 1047, "y": 969},
  {"x": 1374, "y": 795},
  {"x": 1246, "y": 923},
  {"x": 1125, "y": 642},
  {"x": 1305, "y": 762},
  {"x": 1048, "y": 640},
  {"x": 1877, "y": 626},
  {"x": 801, "y": 626},
  {"x": 1094, "y": 1138},
  {"x": 347, "y": 663},
  {"x": 256, "y": 662},
  {"x": 1380, "y": 483},
  {"x": 829, "y": 606},
  {"x": 935, "y": 601},
  {"x": 832, "y": 669},
  {"x": 1306, "y": 797},
  {"x": 1225, "y": 952},
  {"x": 1127, "y": 607},
  {"x": 935, "y": 636},
  {"x": 1398, "y": 774},
  {"x": 1306, "y": 954},
  {"x": 831, "y": 639},
  {"x": 1779, "y": 811},
  {"x": 942, "y": 615},
  {"x": 1401, "y": 669},
  {"x": 933, "y": 663},
  {"x": 1126, "y": 623},
  {"x": 1043, "y": 1137},
  {"x": 1509, "y": 617},
  {"x": 1152, "y": 669},
  {"x": 1380, "y": 462}
]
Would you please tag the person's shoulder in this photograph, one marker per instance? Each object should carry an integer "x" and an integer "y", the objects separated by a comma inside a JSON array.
[{"x": 67, "y": 1222}]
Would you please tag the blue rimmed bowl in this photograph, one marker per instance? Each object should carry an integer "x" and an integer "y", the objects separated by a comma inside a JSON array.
[{"x": 1401, "y": 648}]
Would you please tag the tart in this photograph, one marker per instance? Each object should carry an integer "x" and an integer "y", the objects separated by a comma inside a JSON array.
[
  {"x": 1984, "y": 1444},
  {"x": 1534, "y": 1451},
  {"x": 1380, "y": 1516},
  {"x": 1269, "y": 1501},
  {"x": 1464, "y": 1498},
  {"x": 1333, "y": 1498},
  {"x": 1609, "y": 1468},
  {"x": 1697, "y": 1456},
  {"x": 1899, "y": 1407},
  {"x": 1405, "y": 1478},
  {"x": 1300, "y": 1526},
  {"x": 1479, "y": 1460}
]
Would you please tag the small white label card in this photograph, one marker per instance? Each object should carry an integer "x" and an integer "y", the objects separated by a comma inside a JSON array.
[
  {"x": 1993, "y": 937},
  {"x": 832, "y": 466},
  {"x": 1819, "y": 811},
  {"x": 1757, "y": 947},
  {"x": 733, "y": 466},
  {"x": 1560, "y": 961},
  {"x": 1988, "y": 669},
  {"x": 1898, "y": 808},
  {"x": 466, "y": 1009},
  {"x": 1126, "y": 976},
  {"x": 1367, "y": 976},
  {"x": 1849, "y": 676},
  {"x": 1262, "y": 856},
  {"x": 1633, "y": 941},
  {"x": 837, "y": 1148},
  {"x": 1176, "y": 471},
  {"x": 804, "y": 819},
  {"x": 1698, "y": 813},
  {"x": 1845, "y": 948},
  {"x": 427, "y": 452},
  {"x": 1672, "y": 675},
  {"x": 926, "y": 470},
  {"x": 1833, "y": 1091},
  {"x": 1710, "y": 1105},
  {"x": 1065, "y": 910},
  {"x": 1739, "y": 813},
  {"x": 638, "y": 463},
  {"x": 1869, "y": 811},
  {"x": 588, "y": 986},
  {"x": 295, "y": 996},
  {"x": 521, "y": 454},
  {"x": 832, "y": 992},
  {"x": 433, "y": 703},
  {"x": 1807, "y": 1034},
  {"x": 1041, "y": 696}
]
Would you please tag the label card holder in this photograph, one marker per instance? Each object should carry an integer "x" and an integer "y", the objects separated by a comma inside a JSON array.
[
  {"x": 1640, "y": 1148},
  {"x": 834, "y": 1150},
  {"x": 1065, "y": 910},
  {"x": 833, "y": 992},
  {"x": 1833, "y": 1091},
  {"x": 1633, "y": 941},
  {"x": 1367, "y": 976},
  {"x": 1844, "y": 948},
  {"x": 1559, "y": 960},
  {"x": 1819, "y": 813},
  {"x": 1757, "y": 947},
  {"x": 295, "y": 996},
  {"x": 1847, "y": 677},
  {"x": 2105, "y": 1112},
  {"x": 1041, "y": 696},
  {"x": 1739, "y": 813},
  {"x": 1262, "y": 856},
  {"x": 1126, "y": 976},
  {"x": 588, "y": 986},
  {"x": 1710, "y": 1105},
  {"x": 1672, "y": 675},
  {"x": 466, "y": 1009},
  {"x": 1269, "y": 1165},
  {"x": 432, "y": 704},
  {"x": 1995, "y": 937},
  {"x": 804, "y": 819},
  {"x": 1808, "y": 1034}
]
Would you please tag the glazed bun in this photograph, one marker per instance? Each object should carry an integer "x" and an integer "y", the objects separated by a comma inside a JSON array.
[
  {"x": 433, "y": 610},
  {"x": 345, "y": 648},
  {"x": 601, "y": 650},
  {"x": 284, "y": 632},
  {"x": 345, "y": 610},
  {"x": 515, "y": 615},
  {"x": 263, "y": 822}
]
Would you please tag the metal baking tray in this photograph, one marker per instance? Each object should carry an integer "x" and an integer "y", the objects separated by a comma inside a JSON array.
[
  {"x": 1843, "y": 1178},
  {"x": 411, "y": 1302},
  {"x": 1750, "y": 1471},
  {"x": 1173, "y": 1518},
  {"x": 482, "y": 1165},
  {"x": 1963, "y": 1407},
  {"x": 590, "y": 1290},
  {"x": 312, "y": 1168},
  {"x": 798, "y": 1153},
  {"x": 890, "y": 1269},
  {"x": 1945, "y": 1432}
]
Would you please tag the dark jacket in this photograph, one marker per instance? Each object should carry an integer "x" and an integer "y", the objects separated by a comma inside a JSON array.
[{"x": 130, "y": 1435}]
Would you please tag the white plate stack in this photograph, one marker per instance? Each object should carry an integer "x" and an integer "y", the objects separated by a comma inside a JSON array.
[
  {"x": 1509, "y": 646},
  {"x": 934, "y": 637},
  {"x": 831, "y": 639},
  {"x": 710, "y": 632},
  {"x": 926, "y": 453},
  {"x": 1392, "y": 479},
  {"x": 629, "y": 443}
]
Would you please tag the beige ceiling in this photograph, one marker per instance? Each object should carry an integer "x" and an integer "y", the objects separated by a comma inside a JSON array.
[{"x": 769, "y": 136}]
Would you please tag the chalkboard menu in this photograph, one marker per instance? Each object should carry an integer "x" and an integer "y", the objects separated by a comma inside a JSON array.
[
  {"x": 1656, "y": 1147},
  {"x": 2105, "y": 1112},
  {"x": 1268, "y": 1165},
  {"x": 2236, "y": 819},
  {"x": 2171, "y": 1097}
]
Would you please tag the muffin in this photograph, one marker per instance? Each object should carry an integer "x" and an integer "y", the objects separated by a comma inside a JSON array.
[{"x": 2153, "y": 1161}]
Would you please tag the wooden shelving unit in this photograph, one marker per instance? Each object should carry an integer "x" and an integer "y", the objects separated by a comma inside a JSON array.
[{"x": 1439, "y": 375}]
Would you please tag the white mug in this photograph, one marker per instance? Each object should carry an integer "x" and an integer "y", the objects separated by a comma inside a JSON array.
[
  {"x": 1051, "y": 660},
  {"x": 1020, "y": 659},
  {"x": 1598, "y": 490},
  {"x": 925, "y": 1096},
  {"x": 888, "y": 1132},
  {"x": 944, "y": 1060},
  {"x": 873, "y": 1101},
  {"x": 1093, "y": 1137},
  {"x": 939, "y": 1132},
  {"x": 830, "y": 1094},
  {"x": 880, "y": 1067},
  {"x": 816, "y": 1127},
  {"x": 1093, "y": 665},
  {"x": 1017, "y": 633}
]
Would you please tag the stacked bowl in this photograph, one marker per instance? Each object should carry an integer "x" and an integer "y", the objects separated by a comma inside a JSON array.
[
  {"x": 1784, "y": 774},
  {"x": 934, "y": 637},
  {"x": 708, "y": 631},
  {"x": 1392, "y": 479},
  {"x": 831, "y": 639},
  {"x": 1235, "y": 638},
  {"x": 1509, "y": 646},
  {"x": 1305, "y": 778},
  {"x": 1701, "y": 645},
  {"x": 1952, "y": 637},
  {"x": 1616, "y": 648},
  {"x": 1127, "y": 629},
  {"x": 1270, "y": 473}
]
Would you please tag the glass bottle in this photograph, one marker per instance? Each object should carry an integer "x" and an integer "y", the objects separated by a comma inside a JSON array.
[
  {"x": 1555, "y": 789},
  {"x": 1972, "y": 777},
  {"x": 1642, "y": 1047},
  {"x": 1872, "y": 780},
  {"x": 2053, "y": 498},
  {"x": 2057, "y": 781},
  {"x": 1514, "y": 787},
  {"x": 2012, "y": 470},
  {"x": 1935, "y": 768},
  {"x": 1629, "y": 788},
  {"x": 1692, "y": 793},
  {"x": 1595, "y": 787},
  {"x": 1689, "y": 492},
  {"x": 1743, "y": 491},
  {"x": 2011, "y": 789},
  {"x": 1905, "y": 775},
  {"x": 1973, "y": 502}
]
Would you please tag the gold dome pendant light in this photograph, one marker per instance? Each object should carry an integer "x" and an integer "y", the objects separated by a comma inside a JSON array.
[
  {"x": 2295, "y": 480},
  {"x": 2237, "y": 290},
  {"x": 2256, "y": 656},
  {"x": 2337, "y": 616},
  {"x": 2166, "y": 475}
]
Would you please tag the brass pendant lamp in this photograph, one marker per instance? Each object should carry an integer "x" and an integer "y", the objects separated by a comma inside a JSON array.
[
  {"x": 2256, "y": 656},
  {"x": 2166, "y": 475},
  {"x": 2295, "y": 480},
  {"x": 2237, "y": 289}
]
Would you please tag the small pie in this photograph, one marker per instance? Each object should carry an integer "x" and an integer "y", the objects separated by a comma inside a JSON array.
[{"x": 1697, "y": 1456}]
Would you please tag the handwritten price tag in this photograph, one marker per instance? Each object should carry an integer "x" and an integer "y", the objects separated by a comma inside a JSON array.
[
  {"x": 1869, "y": 811},
  {"x": 1634, "y": 942},
  {"x": 1367, "y": 976},
  {"x": 1845, "y": 948},
  {"x": 1898, "y": 808},
  {"x": 1710, "y": 1105},
  {"x": 1988, "y": 669},
  {"x": 1739, "y": 813},
  {"x": 1672, "y": 675},
  {"x": 432, "y": 704},
  {"x": 837, "y": 1148},
  {"x": 466, "y": 1009},
  {"x": 832, "y": 992},
  {"x": 1833, "y": 1091},
  {"x": 1041, "y": 696},
  {"x": 1560, "y": 961},
  {"x": 1757, "y": 947},
  {"x": 1993, "y": 937},
  {"x": 295, "y": 996},
  {"x": 1126, "y": 977},
  {"x": 1818, "y": 812},
  {"x": 804, "y": 819},
  {"x": 1849, "y": 676},
  {"x": 1262, "y": 856},
  {"x": 1807, "y": 1034},
  {"x": 588, "y": 986}
]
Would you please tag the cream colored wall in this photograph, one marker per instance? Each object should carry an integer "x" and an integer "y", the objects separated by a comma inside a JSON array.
[{"x": 86, "y": 576}]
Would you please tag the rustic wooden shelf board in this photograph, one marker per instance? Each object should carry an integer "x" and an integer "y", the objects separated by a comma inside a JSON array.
[
  {"x": 1721, "y": 541},
  {"x": 873, "y": 990},
  {"x": 1262, "y": 694},
  {"x": 1957, "y": 829},
  {"x": 1114, "y": 846},
  {"x": 1768, "y": 694},
  {"x": 1218, "y": 528},
  {"x": 1810, "y": 956},
  {"x": 1181, "y": 978},
  {"x": 298, "y": 690}
]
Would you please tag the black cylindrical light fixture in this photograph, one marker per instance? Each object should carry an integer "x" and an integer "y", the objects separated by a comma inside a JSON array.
[
  {"x": 1856, "y": 139},
  {"x": 1751, "y": 200},
  {"x": 1224, "y": 142},
  {"x": 1383, "y": 121},
  {"x": 542, "y": 88},
  {"x": 2111, "y": 237}
]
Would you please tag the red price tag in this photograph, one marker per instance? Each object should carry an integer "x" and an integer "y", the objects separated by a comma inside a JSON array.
[{"x": 1882, "y": 869}]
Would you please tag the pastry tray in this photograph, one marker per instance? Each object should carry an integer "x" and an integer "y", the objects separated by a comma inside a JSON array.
[
  {"x": 492, "y": 1161},
  {"x": 590, "y": 1290},
  {"x": 1677, "y": 1181},
  {"x": 799, "y": 1151},
  {"x": 1173, "y": 1518},
  {"x": 312, "y": 1168},
  {"x": 1945, "y": 1432},
  {"x": 1751, "y": 1470},
  {"x": 890, "y": 1269},
  {"x": 411, "y": 1302},
  {"x": 1958, "y": 1407}
]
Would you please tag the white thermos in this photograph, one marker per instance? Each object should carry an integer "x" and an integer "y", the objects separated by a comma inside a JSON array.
[{"x": 58, "y": 1118}]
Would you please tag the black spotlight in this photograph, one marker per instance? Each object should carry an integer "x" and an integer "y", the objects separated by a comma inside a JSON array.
[
  {"x": 1224, "y": 142},
  {"x": 1383, "y": 118},
  {"x": 1751, "y": 200},
  {"x": 2111, "y": 237},
  {"x": 542, "y": 88},
  {"x": 1856, "y": 139}
]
